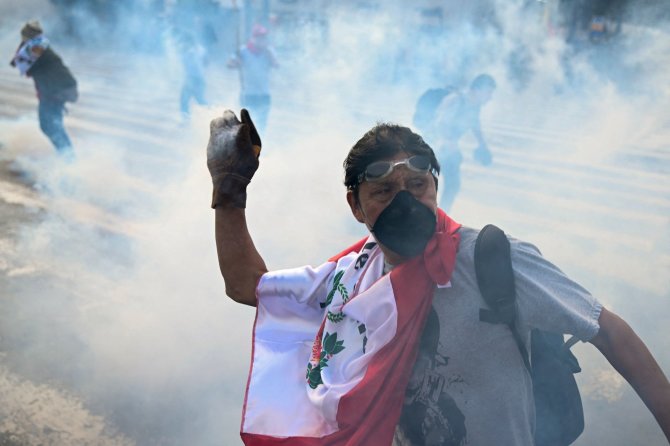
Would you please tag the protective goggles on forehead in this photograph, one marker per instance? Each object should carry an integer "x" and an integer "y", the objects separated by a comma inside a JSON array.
[{"x": 381, "y": 169}]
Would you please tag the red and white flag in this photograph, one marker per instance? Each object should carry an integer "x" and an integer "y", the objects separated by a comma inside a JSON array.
[{"x": 334, "y": 346}]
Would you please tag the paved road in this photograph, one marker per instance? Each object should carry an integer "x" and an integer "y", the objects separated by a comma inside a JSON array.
[{"x": 110, "y": 301}]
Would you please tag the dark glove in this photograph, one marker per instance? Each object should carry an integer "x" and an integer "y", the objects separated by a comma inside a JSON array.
[
  {"x": 232, "y": 157},
  {"x": 482, "y": 155}
]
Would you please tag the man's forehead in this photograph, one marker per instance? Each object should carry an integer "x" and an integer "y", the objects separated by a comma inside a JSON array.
[
  {"x": 397, "y": 156},
  {"x": 398, "y": 176}
]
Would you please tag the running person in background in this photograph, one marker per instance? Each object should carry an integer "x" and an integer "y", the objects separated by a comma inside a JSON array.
[
  {"x": 54, "y": 83},
  {"x": 254, "y": 61},
  {"x": 453, "y": 114},
  {"x": 193, "y": 59}
]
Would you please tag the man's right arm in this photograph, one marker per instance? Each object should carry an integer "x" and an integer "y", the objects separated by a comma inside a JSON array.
[
  {"x": 232, "y": 158},
  {"x": 240, "y": 263}
]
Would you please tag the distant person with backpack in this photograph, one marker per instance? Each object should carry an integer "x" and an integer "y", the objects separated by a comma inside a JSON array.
[
  {"x": 54, "y": 83},
  {"x": 444, "y": 115},
  {"x": 398, "y": 339}
]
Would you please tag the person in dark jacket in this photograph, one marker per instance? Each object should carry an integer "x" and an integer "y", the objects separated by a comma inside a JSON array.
[{"x": 54, "y": 83}]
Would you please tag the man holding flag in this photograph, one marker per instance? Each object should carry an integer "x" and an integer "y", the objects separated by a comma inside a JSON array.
[{"x": 382, "y": 344}]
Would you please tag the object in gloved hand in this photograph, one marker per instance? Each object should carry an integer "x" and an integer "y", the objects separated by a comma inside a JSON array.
[
  {"x": 482, "y": 155},
  {"x": 232, "y": 157}
]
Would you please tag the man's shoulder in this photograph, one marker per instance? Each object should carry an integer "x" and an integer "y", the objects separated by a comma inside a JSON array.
[
  {"x": 469, "y": 239},
  {"x": 468, "y": 236}
]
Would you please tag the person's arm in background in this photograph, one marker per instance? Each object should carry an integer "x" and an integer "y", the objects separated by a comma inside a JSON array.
[
  {"x": 234, "y": 61},
  {"x": 482, "y": 154},
  {"x": 622, "y": 347},
  {"x": 445, "y": 115},
  {"x": 16, "y": 54},
  {"x": 232, "y": 159},
  {"x": 477, "y": 132},
  {"x": 273, "y": 58}
]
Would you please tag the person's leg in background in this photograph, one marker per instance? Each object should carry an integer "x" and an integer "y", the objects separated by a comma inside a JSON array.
[
  {"x": 450, "y": 164},
  {"x": 51, "y": 123},
  {"x": 259, "y": 108}
]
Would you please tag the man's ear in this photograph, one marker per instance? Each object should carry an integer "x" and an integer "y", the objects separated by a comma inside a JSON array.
[{"x": 355, "y": 207}]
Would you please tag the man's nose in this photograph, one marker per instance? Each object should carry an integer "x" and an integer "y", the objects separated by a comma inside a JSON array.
[{"x": 405, "y": 187}]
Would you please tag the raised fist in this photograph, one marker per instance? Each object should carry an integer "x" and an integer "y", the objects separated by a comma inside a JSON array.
[{"x": 232, "y": 157}]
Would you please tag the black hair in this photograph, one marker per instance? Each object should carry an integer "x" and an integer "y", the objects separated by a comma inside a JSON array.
[
  {"x": 482, "y": 82},
  {"x": 383, "y": 141}
]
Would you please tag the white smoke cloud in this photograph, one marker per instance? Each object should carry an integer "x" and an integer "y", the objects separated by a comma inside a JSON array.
[{"x": 115, "y": 272}]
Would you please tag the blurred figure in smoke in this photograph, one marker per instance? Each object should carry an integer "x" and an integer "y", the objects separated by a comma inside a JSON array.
[
  {"x": 421, "y": 54},
  {"x": 193, "y": 58},
  {"x": 593, "y": 21},
  {"x": 384, "y": 343},
  {"x": 444, "y": 115},
  {"x": 201, "y": 17},
  {"x": 254, "y": 61},
  {"x": 54, "y": 83}
]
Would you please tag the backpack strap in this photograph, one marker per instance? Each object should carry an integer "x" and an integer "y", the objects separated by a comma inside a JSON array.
[{"x": 495, "y": 277}]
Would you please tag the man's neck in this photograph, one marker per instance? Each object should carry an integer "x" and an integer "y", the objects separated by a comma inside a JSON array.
[{"x": 392, "y": 258}]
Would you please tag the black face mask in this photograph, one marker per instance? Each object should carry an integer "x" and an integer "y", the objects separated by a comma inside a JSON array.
[{"x": 405, "y": 226}]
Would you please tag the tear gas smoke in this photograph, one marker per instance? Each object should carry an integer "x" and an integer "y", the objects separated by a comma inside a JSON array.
[{"x": 111, "y": 297}]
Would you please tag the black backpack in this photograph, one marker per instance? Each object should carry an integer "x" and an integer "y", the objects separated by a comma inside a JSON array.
[{"x": 558, "y": 405}]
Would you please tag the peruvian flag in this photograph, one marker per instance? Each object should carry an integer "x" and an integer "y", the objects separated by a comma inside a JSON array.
[{"x": 334, "y": 346}]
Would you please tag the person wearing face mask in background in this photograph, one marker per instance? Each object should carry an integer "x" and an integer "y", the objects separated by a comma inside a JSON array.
[
  {"x": 54, "y": 83},
  {"x": 382, "y": 344}
]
